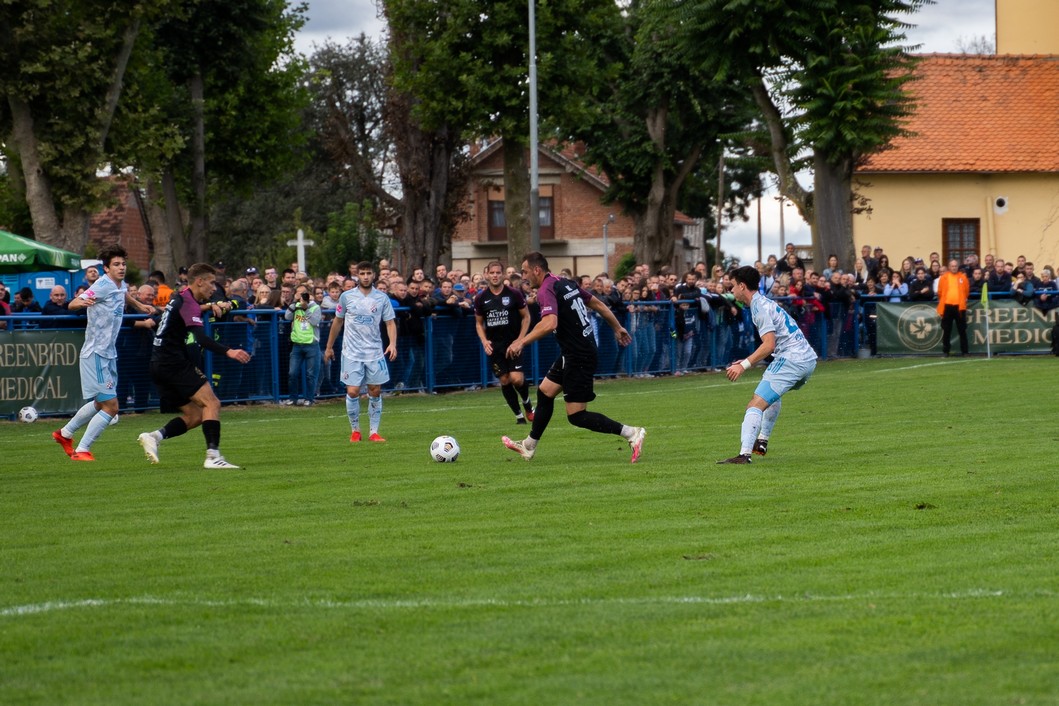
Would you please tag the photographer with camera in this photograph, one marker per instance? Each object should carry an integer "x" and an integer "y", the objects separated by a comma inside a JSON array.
[{"x": 305, "y": 346}]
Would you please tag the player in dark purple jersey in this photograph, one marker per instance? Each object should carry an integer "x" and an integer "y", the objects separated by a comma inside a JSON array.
[
  {"x": 182, "y": 386},
  {"x": 501, "y": 317},
  {"x": 564, "y": 311}
]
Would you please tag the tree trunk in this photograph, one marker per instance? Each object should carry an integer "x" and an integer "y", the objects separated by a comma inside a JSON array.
[
  {"x": 654, "y": 238},
  {"x": 199, "y": 217},
  {"x": 75, "y": 229},
  {"x": 832, "y": 209},
  {"x": 424, "y": 160},
  {"x": 167, "y": 228},
  {"x": 516, "y": 200},
  {"x": 39, "y": 197}
]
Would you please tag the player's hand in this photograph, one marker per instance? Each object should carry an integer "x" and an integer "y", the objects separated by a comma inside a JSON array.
[
  {"x": 329, "y": 354},
  {"x": 623, "y": 336},
  {"x": 487, "y": 346},
  {"x": 391, "y": 351},
  {"x": 238, "y": 354},
  {"x": 515, "y": 348},
  {"x": 734, "y": 370}
]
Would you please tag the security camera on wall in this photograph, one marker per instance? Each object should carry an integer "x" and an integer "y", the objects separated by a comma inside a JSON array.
[{"x": 1000, "y": 204}]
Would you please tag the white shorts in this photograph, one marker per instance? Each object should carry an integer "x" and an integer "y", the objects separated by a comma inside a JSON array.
[
  {"x": 99, "y": 378},
  {"x": 357, "y": 373},
  {"x": 782, "y": 376}
]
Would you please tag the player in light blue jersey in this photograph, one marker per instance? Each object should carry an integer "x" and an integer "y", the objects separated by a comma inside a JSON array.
[
  {"x": 359, "y": 313},
  {"x": 105, "y": 299},
  {"x": 794, "y": 361}
]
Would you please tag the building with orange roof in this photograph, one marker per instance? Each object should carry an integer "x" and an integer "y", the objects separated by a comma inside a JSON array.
[
  {"x": 573, "y": 217},
  {"x": 979, "y": 172}
]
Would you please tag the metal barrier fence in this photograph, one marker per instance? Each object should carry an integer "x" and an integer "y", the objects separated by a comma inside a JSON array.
[{"x": 667, "y": 339}]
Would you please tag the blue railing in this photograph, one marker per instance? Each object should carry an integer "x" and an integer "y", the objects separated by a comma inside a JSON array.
[{"x": 448, "y": 355}]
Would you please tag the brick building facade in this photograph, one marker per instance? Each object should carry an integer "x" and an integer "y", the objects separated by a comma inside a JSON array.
[{"x": 573, "y": 218}]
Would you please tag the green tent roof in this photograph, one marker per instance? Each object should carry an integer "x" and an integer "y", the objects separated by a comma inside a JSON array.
[{"x": 18, "y": 254}]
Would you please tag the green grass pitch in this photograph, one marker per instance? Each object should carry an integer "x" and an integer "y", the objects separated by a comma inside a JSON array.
[{"x": 898, "y": 545}]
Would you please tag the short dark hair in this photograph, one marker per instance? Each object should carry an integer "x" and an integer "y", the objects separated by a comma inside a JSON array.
[
  {"x": 201, "y": 269},
  {"x": 365, "y": 265},
  {"x": 746, "y": 275},
  {"x": 158, "y": 275},
  {"x": 536, "y": 259},
  {"x": 110, "y": 252}
]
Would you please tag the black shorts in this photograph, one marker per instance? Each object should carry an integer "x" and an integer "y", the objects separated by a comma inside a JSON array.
[
  {"x": 177, "y": 384},
  {"x": 576, "y": 376},
  {"x": 499, "y": 361}
]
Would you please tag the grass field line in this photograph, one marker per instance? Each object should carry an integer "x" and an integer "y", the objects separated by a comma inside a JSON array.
[
  {"x": 903, "y": 368},
  {"x": 458, "y": 603}
]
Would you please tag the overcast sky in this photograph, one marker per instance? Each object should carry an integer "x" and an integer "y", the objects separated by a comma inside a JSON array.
[{"x": 940, "y": 28}]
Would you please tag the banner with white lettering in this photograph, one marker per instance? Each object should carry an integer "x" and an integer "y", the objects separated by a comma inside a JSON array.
[
  {"x": 40, "y": 369},
  {"x": 905, "y": 328}
]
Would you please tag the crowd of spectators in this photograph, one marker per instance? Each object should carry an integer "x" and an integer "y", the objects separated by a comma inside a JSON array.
[{"x": 690, "y": 318}]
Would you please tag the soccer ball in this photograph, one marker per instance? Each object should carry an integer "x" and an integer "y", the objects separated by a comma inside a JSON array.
[
  {"x": 27, "y": 415},
  {"x": 444, "y": 449}
]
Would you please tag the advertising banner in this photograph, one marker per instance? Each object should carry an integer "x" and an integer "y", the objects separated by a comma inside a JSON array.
[
  {"x": 40, "y": 369},
  {"x": 915, "y": 328}
]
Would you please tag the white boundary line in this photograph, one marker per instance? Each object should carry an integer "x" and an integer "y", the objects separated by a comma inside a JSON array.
[{"x": 443, "y": 604}]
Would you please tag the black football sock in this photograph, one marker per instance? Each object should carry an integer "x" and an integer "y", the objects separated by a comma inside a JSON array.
[
  {"x": 512, "y": 398},
  {"x": 211, "y": 429},
  {"x": 174, "y": 427},
  {"x": 523, "y": 390},
  {"x": 542, "y": 415},
  {"x": 594, "y": 421}
]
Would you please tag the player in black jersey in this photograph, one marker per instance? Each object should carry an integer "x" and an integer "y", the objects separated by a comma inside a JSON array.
[
  {"x": 501, "y": 317},
  {"x": 182, "y": 386},
  {"x": 564, "y": 310}
]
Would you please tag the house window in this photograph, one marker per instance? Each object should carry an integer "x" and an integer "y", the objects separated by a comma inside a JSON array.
[
  {"x": 546, "y": 208},
  {"x": 960, "y": 237},
  {"x": 497, "y": 222}
]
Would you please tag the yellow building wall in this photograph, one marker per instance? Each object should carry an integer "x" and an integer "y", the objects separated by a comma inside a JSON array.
[
  {"x": 1027, "y": 27},
  {"x": 907, "y": 212}
]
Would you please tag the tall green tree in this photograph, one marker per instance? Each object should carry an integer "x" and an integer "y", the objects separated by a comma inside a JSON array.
[
  {"x": 659, "y": 129},
  {"x": 464, "y": 68},
  {"x": 63, "y": 66},
  {"x": 829, "y": 77},
  {"x": 235, "y": 96}
]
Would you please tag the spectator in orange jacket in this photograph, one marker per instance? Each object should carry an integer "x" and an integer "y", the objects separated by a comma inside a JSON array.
[{"x": 953, "y": 289}]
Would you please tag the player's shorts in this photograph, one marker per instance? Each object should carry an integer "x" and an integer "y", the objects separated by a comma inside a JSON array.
[
  {"x": 501, "y": 363},
  {"x": 781, "y": 376},
  {"x": 99, "y": 378},
  {"x": 357, "y": 373},
  {"x": 176, "y": 384},
  {"x": 576, "y": 376}
]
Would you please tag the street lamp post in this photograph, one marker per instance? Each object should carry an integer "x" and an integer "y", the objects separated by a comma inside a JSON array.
[
  {"x": 606, "y": 250},
  {"x": 535, "y": 186}
]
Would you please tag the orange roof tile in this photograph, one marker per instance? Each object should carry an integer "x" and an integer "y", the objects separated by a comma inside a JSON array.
[{"x": 978, "y": 113}]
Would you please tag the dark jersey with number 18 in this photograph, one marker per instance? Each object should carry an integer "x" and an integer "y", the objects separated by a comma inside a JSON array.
[{"x": 569, "y": 303}]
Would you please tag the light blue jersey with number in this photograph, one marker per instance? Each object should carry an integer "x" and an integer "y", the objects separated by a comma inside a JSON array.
[
  {"x": 790, "y": 341},
  {"x": 104, "y": 317},
  {"x": 361, "y": 337}
]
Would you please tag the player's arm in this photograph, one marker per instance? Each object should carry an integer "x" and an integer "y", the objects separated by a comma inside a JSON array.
[
  {"x": 337, "y": 324},
  {"x": 768, "y": 344},
  {"x": 80, "y": 302},
  {"x": 479, "y": 326},
  {"x": 544, "y": 327},
  {"x": 524, "y": 321},
  {"x": 604, "y": 311},
  {"x": 211, "y": 345},
  {"x": 391, "y": 331}
]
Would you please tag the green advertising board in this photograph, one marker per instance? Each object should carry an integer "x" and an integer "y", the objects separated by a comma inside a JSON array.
[
  {"x": 40, "y": 369},
  {"x": 1009, "y": 327}
]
